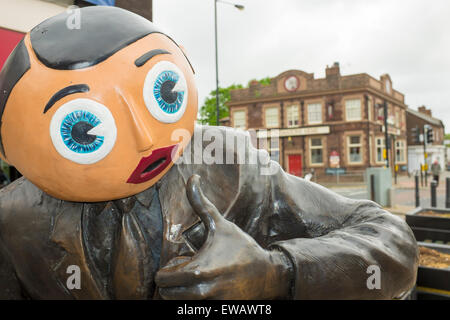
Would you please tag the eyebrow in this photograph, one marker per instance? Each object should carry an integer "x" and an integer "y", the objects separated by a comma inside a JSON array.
[
  {"x": 147, "y": 56},
  {"x": 65, "y": 92}
]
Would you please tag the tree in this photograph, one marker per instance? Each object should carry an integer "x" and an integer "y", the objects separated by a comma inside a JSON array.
[{"x": 208, "y": 113}]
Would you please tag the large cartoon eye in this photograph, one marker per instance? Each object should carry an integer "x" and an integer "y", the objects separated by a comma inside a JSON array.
[
  {"x": 165, "y": 92},
  {"x": 83, "y": 131}
]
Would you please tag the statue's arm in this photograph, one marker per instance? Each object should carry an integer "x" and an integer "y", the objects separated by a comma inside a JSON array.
[{"x": 347, "y": 241}]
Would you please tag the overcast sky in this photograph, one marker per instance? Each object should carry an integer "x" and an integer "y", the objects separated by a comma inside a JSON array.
[{"x": 409, "y": 39}]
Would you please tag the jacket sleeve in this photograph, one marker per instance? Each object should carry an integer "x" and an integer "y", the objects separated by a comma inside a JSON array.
[
  {"x": 336, "y": 245},
  {"x": 350, "y": 249}
]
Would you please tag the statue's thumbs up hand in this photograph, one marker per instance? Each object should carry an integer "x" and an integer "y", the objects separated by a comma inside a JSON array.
[{"x": 229, "y": 265}]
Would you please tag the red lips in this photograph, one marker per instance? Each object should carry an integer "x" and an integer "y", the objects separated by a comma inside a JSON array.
[{"x": 149, "y": 167}]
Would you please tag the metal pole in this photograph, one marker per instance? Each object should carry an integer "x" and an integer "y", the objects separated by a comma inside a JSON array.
[
  {"x": 386, "y": 135},
  {"x": 394, "y": 147},
  {"x": 217, "y": 64},
  {"x": 425, "y": 156},
  {"x": 421, "y": 176},
  {"x": 447, "y": 193},
  {"x": 433, "y": 193},
  {"x": 372, "y": 187},
  {"x": 416, "y": 179}
]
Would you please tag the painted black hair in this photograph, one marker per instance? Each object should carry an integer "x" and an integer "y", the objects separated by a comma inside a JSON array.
[
  {"x": 14, "y": 68},
  {"x": 102, "y": 32}
]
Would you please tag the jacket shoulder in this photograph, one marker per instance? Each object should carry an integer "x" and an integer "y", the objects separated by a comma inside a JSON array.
[{"x": 20, "y": 194}]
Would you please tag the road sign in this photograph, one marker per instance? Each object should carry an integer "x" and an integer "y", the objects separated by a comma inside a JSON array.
[{"x": 334, "y": 159}]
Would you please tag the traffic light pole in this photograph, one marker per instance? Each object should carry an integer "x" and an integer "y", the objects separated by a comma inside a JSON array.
[
  {"x": 425, "y": 165},
  {"x": 386, "y": 134},
  {"x": 393, "y": 159}
]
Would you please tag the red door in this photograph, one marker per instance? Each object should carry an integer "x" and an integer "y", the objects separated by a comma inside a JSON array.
[
  {"x": 295, "y": 164},
  {"x": 9, "y": 41}
]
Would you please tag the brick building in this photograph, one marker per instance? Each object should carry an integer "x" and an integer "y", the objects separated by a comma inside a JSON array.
[
  {"x": 325, "y": 124},
  {"x": 435, "y": 150}
]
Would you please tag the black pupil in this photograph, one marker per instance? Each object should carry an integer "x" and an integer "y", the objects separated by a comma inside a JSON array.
[
  {"x": 167, "y": 94},
  {"x": 80, "y": 133}
]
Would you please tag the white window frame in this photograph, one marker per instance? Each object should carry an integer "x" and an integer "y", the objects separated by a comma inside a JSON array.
[
  {"x": 369, "y": 109},
  {"x": 318, "y": 110},
  {"x": 348, "y": 106},
  {"x": 274, "y": 148},
  {"x": 354, "y": 145},
  {"x": 290, "y": 112},
  {"x": 382, "y": 146},
  {"x": 277, "y": 117},
  {"x": 244, "y": 126},
  {"x": 400, "y": 145},
  {"x": 311, "y": 148}
]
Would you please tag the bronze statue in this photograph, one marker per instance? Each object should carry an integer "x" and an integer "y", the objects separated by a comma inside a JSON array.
[{"x": 88, "y": 117}]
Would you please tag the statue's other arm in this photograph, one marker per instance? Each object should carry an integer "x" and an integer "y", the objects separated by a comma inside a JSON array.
[{"x": 347, "y": 242}]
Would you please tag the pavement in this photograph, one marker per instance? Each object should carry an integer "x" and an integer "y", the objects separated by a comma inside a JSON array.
[{"x": 403, "y": 193}]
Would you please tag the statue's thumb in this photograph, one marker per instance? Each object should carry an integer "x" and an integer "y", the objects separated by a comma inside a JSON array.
[{"x": 207, "y": 212}]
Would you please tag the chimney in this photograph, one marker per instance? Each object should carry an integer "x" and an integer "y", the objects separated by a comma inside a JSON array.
[
  {"x": 424, "y": 110},
  {"x": 333, "y": 70}
]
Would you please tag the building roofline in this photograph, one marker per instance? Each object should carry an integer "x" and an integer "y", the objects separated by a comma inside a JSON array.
[
  {"x": 306, "y": 94},
  {"x": 425, "y": 117}
]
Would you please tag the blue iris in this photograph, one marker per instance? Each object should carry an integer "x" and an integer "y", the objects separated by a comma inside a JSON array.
[
  {"x": 74, "y": 132},
  {"x": 168, "y": 100}
]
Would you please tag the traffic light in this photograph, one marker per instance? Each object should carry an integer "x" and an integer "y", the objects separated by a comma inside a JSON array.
[
  {"x": 430, "y": 135},
  {"x": 415, "y": 132}
]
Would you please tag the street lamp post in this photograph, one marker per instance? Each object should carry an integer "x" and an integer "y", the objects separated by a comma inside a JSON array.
[{"x": 240, "y": 7}]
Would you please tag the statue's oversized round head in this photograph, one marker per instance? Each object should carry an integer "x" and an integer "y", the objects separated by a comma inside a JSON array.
[{"x": 89, "y": 102}]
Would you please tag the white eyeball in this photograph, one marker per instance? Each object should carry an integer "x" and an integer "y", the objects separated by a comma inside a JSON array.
[
  {"x": 165, "y": 92},
  {"x": 83, "y": 131}
]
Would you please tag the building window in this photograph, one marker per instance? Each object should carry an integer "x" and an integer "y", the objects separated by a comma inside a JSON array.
[
  {"x": 292, "y": 116},
  {"x": 353, "y": 110},
  {"x": 387, "y": 86},
  {"x": 380, "y": 148},
  {"x": 316, "y": 150},
  {"x": 314, "y": 113},
  {"x": 271, "y": 115},
  {"x": 369, "y": 109},
  {"x": 239, "y": 119},
  {"x": 400, "y": 151},
  {"x": 354, "y": 149},
  {"x": 274, "y": 149},
  {"x": 380, "y": 113},
  {"x": 397, "y": 118}
]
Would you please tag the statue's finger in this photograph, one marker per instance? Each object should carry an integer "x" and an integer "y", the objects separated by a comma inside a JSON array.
[
  {"x": 183, "y": 275},
  {"x": 194, "y": 292},
  {"x": 207, "y": 212}
]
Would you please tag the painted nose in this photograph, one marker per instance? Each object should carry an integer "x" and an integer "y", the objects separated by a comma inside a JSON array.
[{"x": 141, "y": 131}]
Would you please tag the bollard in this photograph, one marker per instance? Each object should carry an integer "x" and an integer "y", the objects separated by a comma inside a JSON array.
[
  {"x": 416, "y": 178},
  {"x": 372, "y": 187},
  {"x": 421, "y": 178},
  {"x": 447, "y": 193},
  {"x": 433, "y": 193}
]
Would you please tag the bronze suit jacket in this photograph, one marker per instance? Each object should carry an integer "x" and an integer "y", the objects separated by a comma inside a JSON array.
[{"x": 119, "y": 245}]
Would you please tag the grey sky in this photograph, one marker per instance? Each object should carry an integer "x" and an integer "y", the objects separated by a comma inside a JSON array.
[{"x": 409, "y": 39}]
